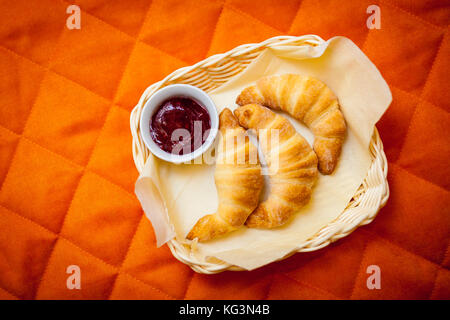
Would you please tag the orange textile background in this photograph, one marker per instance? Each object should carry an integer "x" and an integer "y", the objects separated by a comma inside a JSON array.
[{"x": 67, "y": 174}]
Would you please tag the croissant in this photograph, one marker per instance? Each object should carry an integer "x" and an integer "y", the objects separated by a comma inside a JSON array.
[
  {"x": 291, "y": 162},
  {"x": 238, "y": 181},
  {"x": 310, "y": 101}
]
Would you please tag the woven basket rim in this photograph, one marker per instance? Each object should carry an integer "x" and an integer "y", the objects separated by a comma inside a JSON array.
[{"x": 212, "y": 72}]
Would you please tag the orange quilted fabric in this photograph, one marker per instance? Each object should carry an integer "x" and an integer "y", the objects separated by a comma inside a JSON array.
[{"x": 67, "y": 174}]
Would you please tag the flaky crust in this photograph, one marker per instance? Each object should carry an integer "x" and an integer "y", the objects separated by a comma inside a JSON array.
[
  {"x": 292, "y": 165},
  {"x": 238, "y": 181},
  {"x": 310, "y": 101}
]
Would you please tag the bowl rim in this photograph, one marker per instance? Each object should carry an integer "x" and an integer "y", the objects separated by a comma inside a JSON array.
[{"x": 177, "y": 90}]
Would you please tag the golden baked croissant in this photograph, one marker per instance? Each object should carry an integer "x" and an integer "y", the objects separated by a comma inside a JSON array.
[
  {"x": 238, "y": 180},
  {"x": 291, "y": 162},
  {"x": 310, "y": 101}
]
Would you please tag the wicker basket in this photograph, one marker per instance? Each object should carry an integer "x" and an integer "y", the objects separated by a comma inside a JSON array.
[{"x": 215, "y": 71}]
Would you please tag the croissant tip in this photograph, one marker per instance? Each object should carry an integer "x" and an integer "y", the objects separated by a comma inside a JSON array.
[
  {"x": 326, "y": 168},
  {"x": 238, "y": 100},
  {"x": 190, "y": 236},
  {"x": 227, "y": 119}
]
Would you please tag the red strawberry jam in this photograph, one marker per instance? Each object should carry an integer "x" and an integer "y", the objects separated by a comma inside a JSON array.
[{"x": 180, "y": 113}]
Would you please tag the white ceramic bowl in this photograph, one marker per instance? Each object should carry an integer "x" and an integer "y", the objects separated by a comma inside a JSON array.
[{"x": 183, "y": 90}]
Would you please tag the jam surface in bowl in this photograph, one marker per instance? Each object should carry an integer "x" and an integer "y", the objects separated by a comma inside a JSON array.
[{"x": 180, "y": 113}]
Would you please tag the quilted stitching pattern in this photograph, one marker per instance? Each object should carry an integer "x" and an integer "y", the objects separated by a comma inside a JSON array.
[{"x": 66, "y": 169}]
